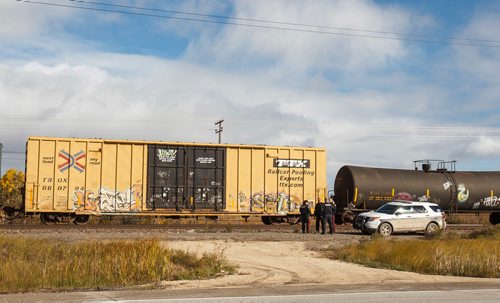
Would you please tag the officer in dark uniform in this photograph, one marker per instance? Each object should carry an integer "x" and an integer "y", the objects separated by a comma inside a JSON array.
[
  {"x": 327, "y": 217},
  {"x": 318, "y": 213},
  {"x": 305, "y": 213},
  {"x": 332, "y": 200}
]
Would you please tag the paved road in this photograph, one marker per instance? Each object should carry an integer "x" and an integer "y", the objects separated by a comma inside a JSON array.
[
  {"x": 453, "y": 296},
  {"x": 431, "y": 292}
]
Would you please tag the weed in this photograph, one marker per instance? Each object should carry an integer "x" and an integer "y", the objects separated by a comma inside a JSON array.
[
  {"x": 467, "y": 219},
  {"x": 473, "y": 255},
  {"x": 438, "y": 234},
  {"x": 488, "y": 233},
  {"x": 29, "y": 264}
]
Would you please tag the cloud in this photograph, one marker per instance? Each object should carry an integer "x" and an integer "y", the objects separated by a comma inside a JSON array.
[
  {"x": 484, "y": 147},
  {"x": 23, "y": 20},
  {"x": 95, "y": 100},
  {"x": 191, "y": 9},
  {"x": 360, "y": 98},
  {"x": 295, "y": 51}
]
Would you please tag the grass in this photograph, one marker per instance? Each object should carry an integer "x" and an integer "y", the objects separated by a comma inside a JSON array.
[
  {"x": 468, "y": 219},
  {"x": 42, "y": 264},
  {"x": 475, "y": 254}
]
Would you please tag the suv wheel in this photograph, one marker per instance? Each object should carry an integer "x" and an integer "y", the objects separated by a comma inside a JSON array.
[
  {"x": 431, "y": 228},
  {"x": 385, "y": 229}
]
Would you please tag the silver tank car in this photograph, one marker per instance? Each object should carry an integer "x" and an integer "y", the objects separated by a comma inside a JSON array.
[{"x": 368, "y": 188}]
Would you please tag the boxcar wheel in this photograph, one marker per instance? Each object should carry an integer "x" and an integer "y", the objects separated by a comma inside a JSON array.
[
  {"x": 49, "y": 218},
  {"x": 81, "y": 219},
  {"x": 495, "y": 218},
  {"x": 266, "y": 220},
  {"x": 385, "y": 229}
]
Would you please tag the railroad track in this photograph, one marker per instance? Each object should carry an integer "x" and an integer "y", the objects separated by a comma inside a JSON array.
[
  {"x": 198, "y": 227},
  {"x": 147, "y": 226}
]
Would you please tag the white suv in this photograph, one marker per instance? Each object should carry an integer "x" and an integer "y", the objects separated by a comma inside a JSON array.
[{"x": 402, "y": 216}]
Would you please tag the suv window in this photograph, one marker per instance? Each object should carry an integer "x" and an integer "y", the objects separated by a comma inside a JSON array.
[
  {"x": 387, "y": 209},
  {"x": 419, "y": 209},
  {"x": 436, "y": 208},
  {"x": 405, "y": 210}
]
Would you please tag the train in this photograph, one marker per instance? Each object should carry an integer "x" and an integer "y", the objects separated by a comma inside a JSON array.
[
  {"x": 73, "y": 179},
  {"x": 359, "y": 189}
]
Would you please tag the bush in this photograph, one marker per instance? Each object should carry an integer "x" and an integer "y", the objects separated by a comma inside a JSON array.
[{"x": 11, "y": 188}]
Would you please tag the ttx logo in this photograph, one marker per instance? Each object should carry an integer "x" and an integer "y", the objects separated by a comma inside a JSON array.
[
  {"x": 296, "y": 163},
  {"x": 71, "y": 161}
]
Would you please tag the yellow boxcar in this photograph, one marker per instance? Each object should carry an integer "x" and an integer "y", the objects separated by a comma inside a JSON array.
[{"x": 76, "y": 178}]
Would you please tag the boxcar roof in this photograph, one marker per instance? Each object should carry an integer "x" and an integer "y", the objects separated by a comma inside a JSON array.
[{"x": 173, "y": 143}]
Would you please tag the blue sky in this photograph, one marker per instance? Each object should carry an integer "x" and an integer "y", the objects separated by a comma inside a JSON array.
[{"x": 376, "y": 102}]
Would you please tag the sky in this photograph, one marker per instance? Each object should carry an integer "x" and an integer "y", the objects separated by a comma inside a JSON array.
[{"x": 376, "y": 83}]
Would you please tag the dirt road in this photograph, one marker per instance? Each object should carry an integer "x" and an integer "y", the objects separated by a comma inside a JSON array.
[{"x": 291, "y": 262}]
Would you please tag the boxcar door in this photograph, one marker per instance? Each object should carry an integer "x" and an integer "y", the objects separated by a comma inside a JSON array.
[
  {"x": 167, "y": 177},
  {"x": 206, "y": 177}
]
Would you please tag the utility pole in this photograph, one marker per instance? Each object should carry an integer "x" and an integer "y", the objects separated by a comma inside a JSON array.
[{"x": 219, "y": 130}]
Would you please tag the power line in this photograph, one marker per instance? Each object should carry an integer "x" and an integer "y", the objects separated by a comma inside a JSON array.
[
  {"x": 395, "y": 132},
  {"x": 280, "y": 22},
  {"x": 10, "y": 158},
  {"x": 247, "y": 123},
  {"x": 262, "y": 26}
]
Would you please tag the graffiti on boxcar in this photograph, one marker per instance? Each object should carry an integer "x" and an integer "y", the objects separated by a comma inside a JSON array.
[
  {"x": 491, "y": 202},
  {"x": 424, "y": 198},
  {"x": 463, "y": 193},
  {"x": 258, "y": 201},
  {"x": 242, "y": 202},
  {"x": 269, "y": 202},
  {"x": 273, "y": 203},
  {"x": 85, "y": 200},
  {"x": 163, "y": 174},
  {"x": 206, "y": 195},
  {"x": 111, "y": 200},
  {"x": 108, "y": 200},
  {"x": 167, "y": 155}
]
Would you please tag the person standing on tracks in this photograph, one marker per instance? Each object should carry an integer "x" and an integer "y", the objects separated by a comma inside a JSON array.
[
  {"x": 318, "y": 213},
  {"x": 327, "y": 217},
  {"x": 305, "y": 213},
  {"x": 334, "y": 205}
]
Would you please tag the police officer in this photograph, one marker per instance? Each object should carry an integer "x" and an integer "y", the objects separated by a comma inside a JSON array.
[
  {"x": 318, "y": 213},
  {"x": 327, "y": 217},
  {"x": 305, "y": 213},
  {"x": 332, "y": 200}
]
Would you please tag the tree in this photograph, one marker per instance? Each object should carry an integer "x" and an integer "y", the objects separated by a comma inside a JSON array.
[{"x": 11, "y": 188}]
